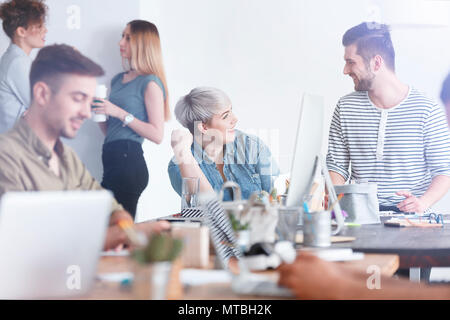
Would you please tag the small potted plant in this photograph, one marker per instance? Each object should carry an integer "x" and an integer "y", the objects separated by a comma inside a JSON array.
[
  {"x": 242, "y": 232},
  {"x": 153, "y": 264}
]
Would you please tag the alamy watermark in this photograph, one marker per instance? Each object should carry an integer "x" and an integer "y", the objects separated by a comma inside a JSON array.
[
  {"x": 374, "y": 280},
  {"x": 73, "y": 281},
  {"x": 243, "y": 150},
  {"x": 74, "y": 17}
]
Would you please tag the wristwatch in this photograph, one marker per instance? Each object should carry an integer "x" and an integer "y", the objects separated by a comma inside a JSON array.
[{"x": 128, "y": 118}]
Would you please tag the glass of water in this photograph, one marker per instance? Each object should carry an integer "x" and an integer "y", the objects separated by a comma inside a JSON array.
[
  {"x": 189, "y": 192},
  {"x": 288, "y": 219}
]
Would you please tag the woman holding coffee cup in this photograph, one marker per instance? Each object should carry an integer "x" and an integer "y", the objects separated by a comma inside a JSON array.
[
  {"x": 24, "y": 23},
  {"x": 138, "y": 106}
]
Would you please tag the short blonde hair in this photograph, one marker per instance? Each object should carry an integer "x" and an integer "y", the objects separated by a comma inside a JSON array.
[{"x": 201, "y": 104}]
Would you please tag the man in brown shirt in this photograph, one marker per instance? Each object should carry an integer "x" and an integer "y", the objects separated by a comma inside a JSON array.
[{"x": 32, "y": 156}]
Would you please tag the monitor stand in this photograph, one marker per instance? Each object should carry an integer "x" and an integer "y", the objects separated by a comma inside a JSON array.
[{"x": 332, "y": 197}]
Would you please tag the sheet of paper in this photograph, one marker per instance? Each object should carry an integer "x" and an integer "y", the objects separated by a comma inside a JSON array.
[
  {"x": 336, "y": 254},
  {"x": 112, "y": 253},
  {"x": 198, "y": 277},
  {"x": 440, "y": 274},
  {"x": 115, "y": 276}
]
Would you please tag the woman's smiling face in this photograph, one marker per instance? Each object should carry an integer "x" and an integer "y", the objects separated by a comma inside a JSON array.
[{"x": 224, "y": 122}]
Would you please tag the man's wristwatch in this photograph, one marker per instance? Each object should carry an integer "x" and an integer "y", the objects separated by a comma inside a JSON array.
[{"x": 128, "y": 118}]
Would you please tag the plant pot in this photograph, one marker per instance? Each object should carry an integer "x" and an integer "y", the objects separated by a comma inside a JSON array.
[
  {"x": 151, "y": 280},
  {"x": 243, "y": 239}
]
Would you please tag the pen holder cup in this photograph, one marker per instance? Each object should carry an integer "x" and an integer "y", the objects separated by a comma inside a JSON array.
[
  {"x": 317, "y": 229},
  {"x": 360, "y": 201},
  {"x": 151, "y": 280}
]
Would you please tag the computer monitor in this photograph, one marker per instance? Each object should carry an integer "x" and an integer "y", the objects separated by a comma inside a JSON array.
[
  {"x": 307, "y": 147},
  {"x": 50, "y": 242},
  {"x": 307, "y": 159}
]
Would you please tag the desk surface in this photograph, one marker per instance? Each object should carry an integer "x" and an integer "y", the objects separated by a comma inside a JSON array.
[
  {"x": 102, "y": 290},
  {"x": 416, "y": 247}
]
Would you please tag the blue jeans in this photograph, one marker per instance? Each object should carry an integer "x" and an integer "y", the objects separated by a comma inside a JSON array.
[{"x": 125, "y": 172}]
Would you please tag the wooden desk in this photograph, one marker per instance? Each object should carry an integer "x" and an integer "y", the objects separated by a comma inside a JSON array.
[
  {"x": 416, "y": 247},
  {"x": 388, "y": 265}
]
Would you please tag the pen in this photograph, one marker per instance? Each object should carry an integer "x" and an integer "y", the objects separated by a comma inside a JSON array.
[
  {"x": 337, "y": 200},
  {"x": 313, "y": 188},
  {"x": 305, "y": 207},
  {"x": 351, "y": 224},
  {"x": 136, "y": 238},
  {"x": 228, "y": 244}
]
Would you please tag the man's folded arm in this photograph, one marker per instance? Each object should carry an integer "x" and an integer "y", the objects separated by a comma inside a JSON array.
[
  {"x": 338, "y": 156},
  {"x": 9, "y": 175}
]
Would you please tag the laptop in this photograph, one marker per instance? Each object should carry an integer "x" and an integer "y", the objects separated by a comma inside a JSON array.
[
  {"x": 225, "y": 244},
  {"x": 50, "y": 242}
]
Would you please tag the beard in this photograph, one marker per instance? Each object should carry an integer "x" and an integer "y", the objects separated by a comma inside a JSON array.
[{"x": 365, "y": 82}]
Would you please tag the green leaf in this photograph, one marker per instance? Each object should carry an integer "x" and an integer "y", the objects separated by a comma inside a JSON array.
[{"x": 160, "y": 247}]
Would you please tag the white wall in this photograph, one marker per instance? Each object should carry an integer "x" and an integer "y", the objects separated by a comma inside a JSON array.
[
  {"x": 263, "y": 53},
  {"x": 4, "y": 41},
  {"x": 259, "y": 52}
]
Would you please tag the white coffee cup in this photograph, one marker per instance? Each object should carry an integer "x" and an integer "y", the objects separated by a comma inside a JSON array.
[{"x": 102, "y": 93}]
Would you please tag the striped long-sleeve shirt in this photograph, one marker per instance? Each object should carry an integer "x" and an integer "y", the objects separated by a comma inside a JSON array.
[
  {"x": 222, "y": 234},
  {"x": 401, "y": 148}
]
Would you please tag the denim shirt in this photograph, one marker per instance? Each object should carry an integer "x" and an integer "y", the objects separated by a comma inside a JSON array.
[{"x": 247, "y": 161}]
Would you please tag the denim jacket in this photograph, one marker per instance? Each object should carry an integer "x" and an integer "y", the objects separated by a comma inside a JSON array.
[{"x": 247, "y": 161}]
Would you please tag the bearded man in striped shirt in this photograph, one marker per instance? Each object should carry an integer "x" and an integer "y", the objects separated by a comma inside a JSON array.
[{"x": 387, "y": 132}]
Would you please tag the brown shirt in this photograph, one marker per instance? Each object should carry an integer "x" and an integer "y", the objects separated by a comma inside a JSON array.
[{"x": 24, "y": 165}]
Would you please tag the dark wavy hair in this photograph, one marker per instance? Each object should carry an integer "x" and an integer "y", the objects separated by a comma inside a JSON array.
[
  {"x": 371, "y": 39},
  {"x": 59, "y": 60},
  {"x": 22, "y": 13}
]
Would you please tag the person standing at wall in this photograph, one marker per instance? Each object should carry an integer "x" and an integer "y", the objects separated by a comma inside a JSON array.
[
  {"x": 138, "y": 106},
  {"x": 24, "y": 24}
]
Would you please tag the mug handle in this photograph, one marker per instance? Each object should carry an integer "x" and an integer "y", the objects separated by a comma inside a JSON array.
[{"x": 237, "y": 196}]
